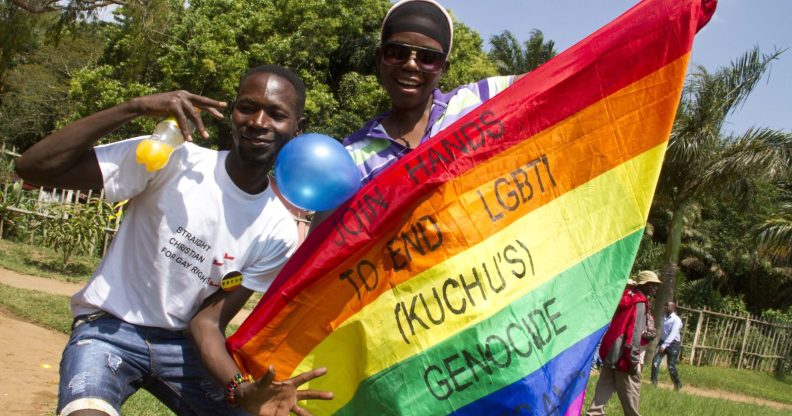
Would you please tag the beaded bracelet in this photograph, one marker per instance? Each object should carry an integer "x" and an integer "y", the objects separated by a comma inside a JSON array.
[{"x": 231, "y": 387}]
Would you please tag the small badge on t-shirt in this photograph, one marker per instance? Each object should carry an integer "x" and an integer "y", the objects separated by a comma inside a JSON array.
[{"x": 231, "y": 281}]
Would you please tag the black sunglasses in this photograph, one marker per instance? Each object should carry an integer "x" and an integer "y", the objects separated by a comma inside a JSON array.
[{"x": 428, "y": 60}]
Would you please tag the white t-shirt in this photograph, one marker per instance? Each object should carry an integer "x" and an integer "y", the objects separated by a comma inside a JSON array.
[{"x": 186, "y": 226}]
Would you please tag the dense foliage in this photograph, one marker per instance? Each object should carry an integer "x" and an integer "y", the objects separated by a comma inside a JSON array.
[
  {"x": 714, "y": 188},
  {"x": 204, "y": 48}
]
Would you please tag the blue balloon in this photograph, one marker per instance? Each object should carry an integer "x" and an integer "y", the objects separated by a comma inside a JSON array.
[{"x": 315, "y": 172}]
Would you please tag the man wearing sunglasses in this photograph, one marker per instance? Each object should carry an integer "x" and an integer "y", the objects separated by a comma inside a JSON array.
[{"x": 416, "y": 39}]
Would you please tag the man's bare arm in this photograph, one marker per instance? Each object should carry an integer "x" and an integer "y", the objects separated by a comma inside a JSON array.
[{"x": 66, "y": 158}]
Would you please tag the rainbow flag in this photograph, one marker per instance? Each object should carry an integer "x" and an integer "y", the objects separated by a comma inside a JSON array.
[{"x": 477, "y": 274}]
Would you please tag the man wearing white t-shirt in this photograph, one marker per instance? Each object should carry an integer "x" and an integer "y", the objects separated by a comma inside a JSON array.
[
  {"x": 207, "y": 219},
  {"x": 669, "y": 345}
]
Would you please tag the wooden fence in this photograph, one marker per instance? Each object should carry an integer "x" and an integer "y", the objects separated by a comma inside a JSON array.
[
  {"x": 46, "y": 197},
  {"x": 734, "y": 340}
]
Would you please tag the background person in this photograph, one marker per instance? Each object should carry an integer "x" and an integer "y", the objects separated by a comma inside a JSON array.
[
  {"x": 620, "y": 349},
  {"x": 596, "y": 362},
  {"x": 205, "y": 215},
  {"x": 669, "y": 345},
  {"x": 648, "y": 334}
]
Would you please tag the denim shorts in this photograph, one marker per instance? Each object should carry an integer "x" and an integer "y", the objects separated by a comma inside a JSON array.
[{"x": 107, "y": 360}]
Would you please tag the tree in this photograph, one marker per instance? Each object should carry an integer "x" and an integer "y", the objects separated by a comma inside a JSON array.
[
  {"x": 35, "y": 96},
  {"x": 21, "y": 33},
  {"x": 207, "y": 45},
  {"x": 774, "y": 236},
  {"x": 73, "y": 6},
  {"x": 718, "y": 262},
  {"x": 76, "y": 227},
  {"x": 702, "y": 163},
  {"x": 329, "y": 44},
  {"x": 469, "y": 63},
  {"x": 138, "y": 38},
  {"x": 510, "y": 58}
]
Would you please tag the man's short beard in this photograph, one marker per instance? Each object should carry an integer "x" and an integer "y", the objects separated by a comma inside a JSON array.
[{"x": 265, "y": 160}]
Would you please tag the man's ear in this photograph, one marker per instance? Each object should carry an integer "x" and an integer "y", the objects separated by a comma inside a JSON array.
[
  {"x": 301, "y": 124},
  {"x": 446, "y": 67},
  {"x": 377, "y": 64}
]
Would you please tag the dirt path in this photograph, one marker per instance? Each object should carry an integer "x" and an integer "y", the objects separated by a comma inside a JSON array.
[
  {"x": 30, "y": 355},
  {"x": 29, "y": 359},
  {"x": 42, "y": 284}
]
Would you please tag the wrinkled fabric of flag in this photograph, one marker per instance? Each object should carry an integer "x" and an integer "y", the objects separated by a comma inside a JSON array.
[{"x": 477, "y": 274}]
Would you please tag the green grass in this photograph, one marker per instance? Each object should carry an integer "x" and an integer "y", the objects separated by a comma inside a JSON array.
[
  {"x": 663, "y": 402},
  {"x": 43, "y": 309},
  {"x": 143, "y": 403},
  {"x": 751, "y": 383},
  {"x": 45, "y": 262}
]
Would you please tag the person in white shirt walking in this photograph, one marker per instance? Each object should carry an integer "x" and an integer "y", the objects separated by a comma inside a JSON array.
[{"x": 669, "y": 345}]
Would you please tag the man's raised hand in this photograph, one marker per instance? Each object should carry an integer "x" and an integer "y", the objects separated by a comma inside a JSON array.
[
  {"x": 266, "y": 396},
  {"x": 183, "y": 105}
]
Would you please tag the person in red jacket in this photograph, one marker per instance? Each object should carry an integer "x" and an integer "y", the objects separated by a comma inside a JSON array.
[{"x": 620, "y": 349}]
